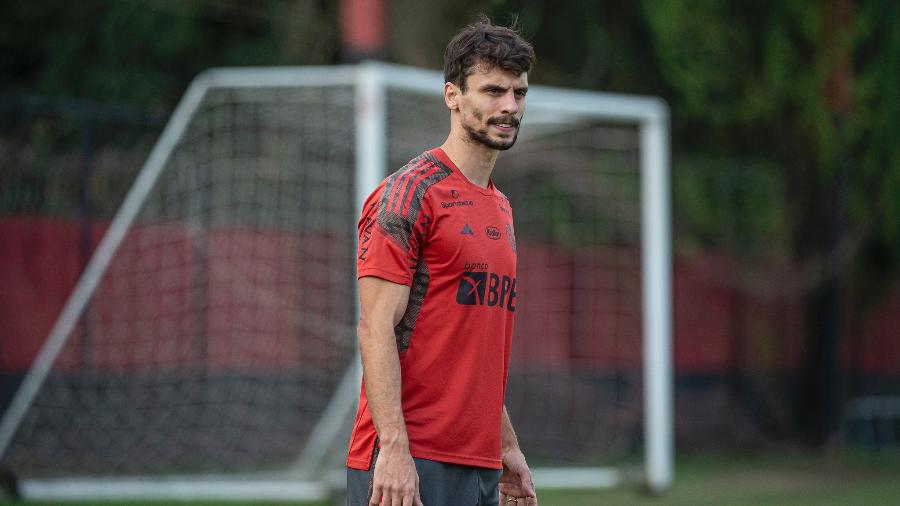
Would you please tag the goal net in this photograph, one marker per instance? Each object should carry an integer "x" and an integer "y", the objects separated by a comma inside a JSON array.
[{"x": 212, "y": 336}]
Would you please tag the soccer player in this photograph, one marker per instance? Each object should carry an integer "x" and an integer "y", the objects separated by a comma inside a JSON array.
[{"x": 437, "y": 284}]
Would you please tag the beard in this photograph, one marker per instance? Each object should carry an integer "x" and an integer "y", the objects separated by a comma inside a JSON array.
[{"x": 481, "y": 135}]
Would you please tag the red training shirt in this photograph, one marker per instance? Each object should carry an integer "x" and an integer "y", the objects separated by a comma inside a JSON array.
[{"x": 452, "y": 242}]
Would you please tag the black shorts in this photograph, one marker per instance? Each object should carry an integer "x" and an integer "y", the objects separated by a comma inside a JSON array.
[{"x": 440, "y": 484}]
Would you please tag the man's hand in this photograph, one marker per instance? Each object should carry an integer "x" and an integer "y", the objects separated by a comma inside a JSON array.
[
  {"x": 516, "y": 485},
  {"x": 395, "y": 481}
]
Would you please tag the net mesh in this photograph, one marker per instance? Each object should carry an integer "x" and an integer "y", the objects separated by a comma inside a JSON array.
[
  {"x": 225, "y": 321},
  {"x": 575, "y": 379},
  {"x": 574, "y": 393}
]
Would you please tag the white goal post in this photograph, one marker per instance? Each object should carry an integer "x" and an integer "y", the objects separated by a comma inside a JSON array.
[{"x": 234, "y": 217}]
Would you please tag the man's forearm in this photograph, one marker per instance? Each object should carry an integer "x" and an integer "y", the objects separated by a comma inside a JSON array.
[
  {"x": 509, "y": 440},
  {"x": 394, "y": 477},
  {"x": 381, "y": 370}
]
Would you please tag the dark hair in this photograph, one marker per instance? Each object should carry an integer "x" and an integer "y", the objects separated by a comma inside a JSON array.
[{"x": 483, "y": 42}]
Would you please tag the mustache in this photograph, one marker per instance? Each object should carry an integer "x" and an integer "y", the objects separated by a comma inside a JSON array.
[{"x": 512, "y": 120}]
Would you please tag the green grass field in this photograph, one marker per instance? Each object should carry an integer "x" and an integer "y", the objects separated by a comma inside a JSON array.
[
  {"x": 796, "y": 480},
  {"x": 737, "y": 481}
]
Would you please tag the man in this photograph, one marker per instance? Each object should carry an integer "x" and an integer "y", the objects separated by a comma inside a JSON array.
[{"x": 437, "y": 285}]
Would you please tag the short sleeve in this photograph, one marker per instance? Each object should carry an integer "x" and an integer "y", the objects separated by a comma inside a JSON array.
[{"x": 391, "y": 232}]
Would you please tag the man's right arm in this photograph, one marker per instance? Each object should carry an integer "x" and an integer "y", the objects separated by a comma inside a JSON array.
[{"x": 382, "y": 304}]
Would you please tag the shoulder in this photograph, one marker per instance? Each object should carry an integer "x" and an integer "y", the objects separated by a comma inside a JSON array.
[
  {"x": 502, "y": 196},
  {"x": 410, "y": 184}
]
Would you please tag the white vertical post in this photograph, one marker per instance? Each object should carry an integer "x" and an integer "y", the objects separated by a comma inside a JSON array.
[
  {"x": 371, "y": 146},
  {"x": 370, "y": 124},
  {"x": 371, "y": 127},
  {"x": 657, "y": 296}
]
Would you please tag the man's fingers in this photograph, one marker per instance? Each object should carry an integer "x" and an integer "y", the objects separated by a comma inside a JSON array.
[
  {"x": 404, "y": 495},
  {"x": 509, "y": 500},
  {"x": 397, "y": 498},
  {"x": 527, "y": 486},
  {"x": 388, "y": 496},
  {"x": 411, "y": 497},
  {"x": 375, "y": 500}
]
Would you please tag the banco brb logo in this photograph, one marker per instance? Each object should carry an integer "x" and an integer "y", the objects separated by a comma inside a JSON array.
[{"x": 486, "y": 289}]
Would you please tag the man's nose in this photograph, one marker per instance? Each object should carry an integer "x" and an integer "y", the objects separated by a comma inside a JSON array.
[{"x": 509, "y": 104}]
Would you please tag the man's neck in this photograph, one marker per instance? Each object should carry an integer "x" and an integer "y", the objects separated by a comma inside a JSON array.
[{"x": 474, "y": 160}]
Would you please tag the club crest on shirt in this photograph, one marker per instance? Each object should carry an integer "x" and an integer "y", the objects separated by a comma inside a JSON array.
[{"x": 492, "y": 233}]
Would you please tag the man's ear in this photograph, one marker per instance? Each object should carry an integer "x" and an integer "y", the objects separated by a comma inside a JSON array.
[{"x": 451, "y": 96}]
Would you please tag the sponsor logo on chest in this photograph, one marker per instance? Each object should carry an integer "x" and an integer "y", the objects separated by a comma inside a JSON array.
[
  {"x": 486, "y": 289},
  {"x": 457, "y": 201}
]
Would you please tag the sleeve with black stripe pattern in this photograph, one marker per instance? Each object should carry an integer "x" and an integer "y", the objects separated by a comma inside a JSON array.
[{"x": 392, "y": 228}]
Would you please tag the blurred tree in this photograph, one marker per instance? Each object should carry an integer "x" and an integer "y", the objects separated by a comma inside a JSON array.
[
  {"x": 419, "y": 29},
  {"x": 759, "y": 78},
  {"x": 145, "y": 52},
  {"x": 779, "y": 159}
]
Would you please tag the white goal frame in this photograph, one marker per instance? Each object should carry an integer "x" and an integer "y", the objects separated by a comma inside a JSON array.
[{"x": 371, "y": 80}]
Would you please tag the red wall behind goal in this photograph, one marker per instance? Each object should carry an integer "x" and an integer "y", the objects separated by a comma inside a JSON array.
[{"x": 714, "y": 330}]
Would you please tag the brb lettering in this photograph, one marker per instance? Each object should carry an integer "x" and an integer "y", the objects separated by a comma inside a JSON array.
[{"x": 487, "y": 289}]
